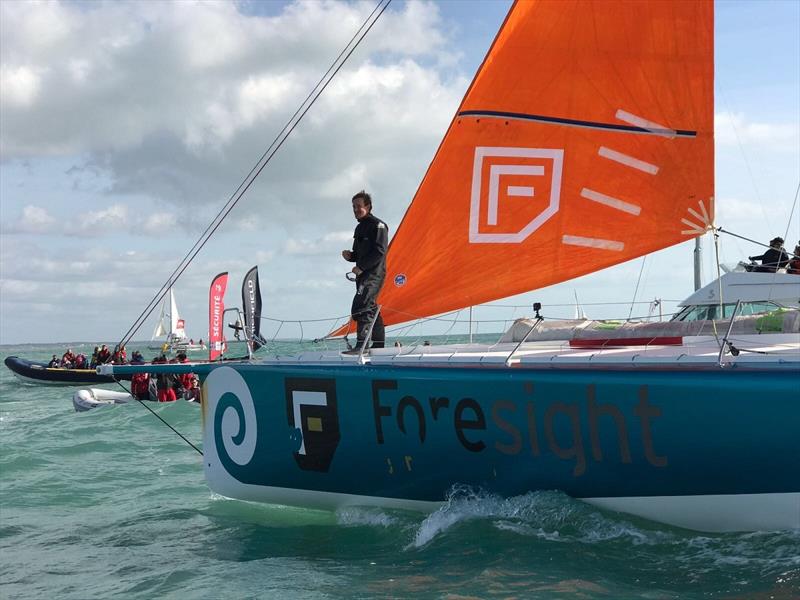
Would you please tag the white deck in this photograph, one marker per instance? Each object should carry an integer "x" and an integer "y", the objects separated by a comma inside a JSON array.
[{"x": 701, "y": 351}]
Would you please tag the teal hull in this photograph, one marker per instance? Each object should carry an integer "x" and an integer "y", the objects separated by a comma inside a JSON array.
[{"x": 406, "y": 436}]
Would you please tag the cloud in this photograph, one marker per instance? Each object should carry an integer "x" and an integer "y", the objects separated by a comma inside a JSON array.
[
  {"x": 35, "y": 219},
  {"x": 160, "y": 222},
  {"x": 736, "y": 128},
  {"x": 326, "y": 245},
  {"x": 175, "y": 101},
  {"x": 111, "y": 220},
  {"x": 20, "y": 85}
]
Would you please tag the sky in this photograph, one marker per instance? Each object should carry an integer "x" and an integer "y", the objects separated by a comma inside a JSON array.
[{"x": 125, "y": 126}]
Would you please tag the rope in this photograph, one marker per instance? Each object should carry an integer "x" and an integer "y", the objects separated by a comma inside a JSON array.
[
  {"x": 262, "y": 162},
  {"x": 636, "y": 290},
  {"x": 791, "y": 215},
  {"x": 155, "y": 414},
  {"x": 741, "y": 149}
]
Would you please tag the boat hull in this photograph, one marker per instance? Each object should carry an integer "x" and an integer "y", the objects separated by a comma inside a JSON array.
[
  {"x": 40, "y": 374},
  {"x": 712, "y": 450}
]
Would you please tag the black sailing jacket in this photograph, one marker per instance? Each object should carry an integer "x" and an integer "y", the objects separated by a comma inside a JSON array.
[{"x": 370, "y": 242}]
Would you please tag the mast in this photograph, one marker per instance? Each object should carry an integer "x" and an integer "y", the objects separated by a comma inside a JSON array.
[{"x": 698, "y": 262}]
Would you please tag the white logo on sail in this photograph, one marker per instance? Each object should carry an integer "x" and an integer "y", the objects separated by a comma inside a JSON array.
[{"x": 527, "y": 175}]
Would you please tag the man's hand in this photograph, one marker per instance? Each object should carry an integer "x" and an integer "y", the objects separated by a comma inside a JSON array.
[
  {"x": 357, "y": 271},
  {"x": 347, "y": 255}
]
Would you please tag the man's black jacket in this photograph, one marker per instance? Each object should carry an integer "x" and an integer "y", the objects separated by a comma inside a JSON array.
[{"x": 370, "y": 242}]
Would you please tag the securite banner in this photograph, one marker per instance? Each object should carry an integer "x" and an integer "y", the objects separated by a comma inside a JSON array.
[
  {"x": 216, "y": 306},
  {"x": 251, "y": 301}
]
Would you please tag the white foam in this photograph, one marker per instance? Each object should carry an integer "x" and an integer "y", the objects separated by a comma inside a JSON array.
[{"x": 354, "y": 516}]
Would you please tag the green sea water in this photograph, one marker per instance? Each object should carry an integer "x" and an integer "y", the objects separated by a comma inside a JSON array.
[{"x": 110, "y": 503}]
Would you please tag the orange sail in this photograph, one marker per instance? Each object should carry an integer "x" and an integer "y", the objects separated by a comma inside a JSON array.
[{"x": 585, "y": 140}]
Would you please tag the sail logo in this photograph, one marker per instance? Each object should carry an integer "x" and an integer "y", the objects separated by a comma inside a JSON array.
[
  {"x": 311, "y": 408},
  {"x": 527, "y": 178}
]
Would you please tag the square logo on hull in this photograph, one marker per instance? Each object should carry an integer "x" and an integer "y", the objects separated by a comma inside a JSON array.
[
  {"x": 311, "y": 407},
  {"x": 514, "y": 191}
]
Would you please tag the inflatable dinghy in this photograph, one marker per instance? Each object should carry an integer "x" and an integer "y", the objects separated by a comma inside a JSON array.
[{"x": 84, "y": 400}]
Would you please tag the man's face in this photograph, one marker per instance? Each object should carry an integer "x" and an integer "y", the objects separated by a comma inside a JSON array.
[{"x": 360, "y": 209}]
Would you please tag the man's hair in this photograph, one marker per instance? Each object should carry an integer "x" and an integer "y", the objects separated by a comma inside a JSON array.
[{"x": 365, "y": 197}]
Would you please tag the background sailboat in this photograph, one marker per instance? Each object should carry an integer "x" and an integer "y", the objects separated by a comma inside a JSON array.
[{"x": 169, "y": 334}]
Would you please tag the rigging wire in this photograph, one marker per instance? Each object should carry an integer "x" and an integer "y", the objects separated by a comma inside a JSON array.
[
  {"x": 791, "y": 213},
  {"x": 154, "y": 413},
  {"x": 744, "y": 155},
  {"x": 262, "y": 162},
  {"x": 785, "y": 236},
  {"x": 636, "y": 291},
  {"x": 752, "y": 241}
]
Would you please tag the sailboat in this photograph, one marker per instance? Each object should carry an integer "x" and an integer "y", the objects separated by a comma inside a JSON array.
[
  {"x": 584, "y": 140},
  {"x": 169, "y": 333}
]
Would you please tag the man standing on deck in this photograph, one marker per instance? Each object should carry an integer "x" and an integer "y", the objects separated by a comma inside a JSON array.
[{"x": 370, "y": 242}]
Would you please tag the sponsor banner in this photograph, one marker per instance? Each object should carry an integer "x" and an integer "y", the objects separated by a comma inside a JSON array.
[
  {"x": 251, "y": 303},
  {"x": 216, "y": 306}
]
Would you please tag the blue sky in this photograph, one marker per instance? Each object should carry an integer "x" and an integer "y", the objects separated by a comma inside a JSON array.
[{"x": 124, "y": 126}]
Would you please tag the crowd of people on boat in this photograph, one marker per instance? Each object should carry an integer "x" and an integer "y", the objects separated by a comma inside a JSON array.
[
  {"x": 69, "y": 360},
  {"x": 776, "y": 258},
  {"x": 164, "y": 387},
  {"x": 101, "y": 355}
]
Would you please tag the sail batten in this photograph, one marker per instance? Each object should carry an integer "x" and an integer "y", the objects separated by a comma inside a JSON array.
[
  {"x": 643, "y": 126},
  {"x": 584, "y": 140}
]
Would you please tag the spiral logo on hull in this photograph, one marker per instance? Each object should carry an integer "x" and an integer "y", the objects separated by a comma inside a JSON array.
[{"x": 231, "y": 404}]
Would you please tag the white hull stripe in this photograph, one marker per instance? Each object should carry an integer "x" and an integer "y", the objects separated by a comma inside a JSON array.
[{"x": 729, "y": 512}]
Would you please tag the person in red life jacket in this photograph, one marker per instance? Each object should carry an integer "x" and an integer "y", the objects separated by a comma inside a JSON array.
[
  {"x": 123, "y": 354},
  {"x": 185, "y": 378},
  {"x": 118, "y": 358},
  {"x": 140, "y": 385},
  {"x": 177, "y": 379},
  {"x": 192, "y": 393},
  {"x": 165, "y": 391},
  {"x": 67, "y": 359},
  {"x": 794, "y": 263},
  {"x": 80, "y": 362},
  {"x": 104, "y": 355},
  {"x": 165, "y": 387}
]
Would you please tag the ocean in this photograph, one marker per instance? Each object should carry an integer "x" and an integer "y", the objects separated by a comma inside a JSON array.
[{"x": 112, "y": 503}]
